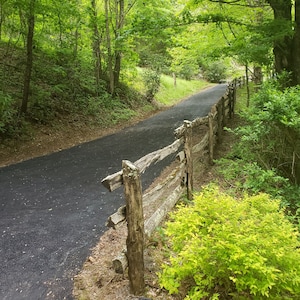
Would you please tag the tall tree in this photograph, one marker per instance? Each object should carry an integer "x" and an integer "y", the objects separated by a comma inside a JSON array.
[
  {"x": 153, "y": 26},
  {"x": 283, "y": 48},
  {"x": 296, "y": 45},
  {"x": 29, "y": 55},
  {"x": 283, "y": 29},
  {"x": 96, "y": 44},
  {"x": 120, "y": 19},
  {"x": 109, "y": 48}
]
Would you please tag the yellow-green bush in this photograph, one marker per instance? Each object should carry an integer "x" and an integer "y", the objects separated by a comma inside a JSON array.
[{"x": 225, "y": 248}]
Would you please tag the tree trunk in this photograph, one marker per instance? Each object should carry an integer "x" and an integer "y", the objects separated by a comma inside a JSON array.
[
  {"x": 174, "y": 79},
  {"x": 117, "y": 68},
  {"x": 247, "y": 85},
  {"x": 29, "y": 60},
  {"x": 96, "y": 45},
  {"x": 109, "y": 51},
  {"x": 283, "y": 49},
  {"x": 76, "y": 39},
  {"x": 296, "y": 46},
  {"x": 1, "y": 18},
  {"x": 119, "y": 26}
]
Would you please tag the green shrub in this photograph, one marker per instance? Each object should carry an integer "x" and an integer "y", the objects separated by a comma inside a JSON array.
[
  {"x": 215, "y": 71},
  {"x": 187, "y": 71},
  {"x": 151, "y": 79},
  {"x": 266, "y": 156},
  {"x": 8, "y": 114},
  {"x": 229, "y": 249},
  {"x": 272, "y": 133},
  {"x": 249, "y": 177},
  {"x": 240, "y": 176}
]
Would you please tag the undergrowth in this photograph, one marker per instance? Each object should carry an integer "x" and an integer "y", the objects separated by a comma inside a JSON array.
[
  {"x": 63, "y": 91},
  {"x": 243, "y": 242},
  {"x": 224, "y": 248}
]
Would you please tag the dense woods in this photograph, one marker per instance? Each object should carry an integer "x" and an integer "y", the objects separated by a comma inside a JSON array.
[
  {"x": 96, "y": 61},
  {"x": 63, "y": 58}
]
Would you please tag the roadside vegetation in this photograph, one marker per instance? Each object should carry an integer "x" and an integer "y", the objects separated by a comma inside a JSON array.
[
  {"x": 59, "y": 100},
  {"x": 239, "y": 238},
  {"x": 228, "y": 248},
  {"x": 65, "y": 111}
]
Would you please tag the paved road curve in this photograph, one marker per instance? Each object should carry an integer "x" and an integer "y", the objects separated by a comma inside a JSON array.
[{"x": 53, "y": 208}]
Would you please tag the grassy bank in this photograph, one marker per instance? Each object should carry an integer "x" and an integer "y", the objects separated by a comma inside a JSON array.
[
  {"x": 46, "y": 130},
  {"x": 170, "y": 94}
]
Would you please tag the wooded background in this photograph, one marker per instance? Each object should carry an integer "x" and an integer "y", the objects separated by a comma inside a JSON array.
[{"x": 72, "y": 57}]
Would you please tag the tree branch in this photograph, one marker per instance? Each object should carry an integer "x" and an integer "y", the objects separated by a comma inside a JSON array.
[{"x": 236, "y": 3}]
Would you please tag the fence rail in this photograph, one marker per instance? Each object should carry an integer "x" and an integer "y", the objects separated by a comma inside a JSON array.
[{"x": 192, "y": 137}]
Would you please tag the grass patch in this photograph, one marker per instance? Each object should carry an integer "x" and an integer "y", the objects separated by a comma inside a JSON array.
[{"x": 169, "y": 94}]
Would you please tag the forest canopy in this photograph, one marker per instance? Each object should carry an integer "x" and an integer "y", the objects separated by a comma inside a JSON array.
[{"x": 61, "y": 56}]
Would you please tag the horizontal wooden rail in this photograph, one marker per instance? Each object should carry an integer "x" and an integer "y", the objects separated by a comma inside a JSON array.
[{"x": 114, "y": 181}]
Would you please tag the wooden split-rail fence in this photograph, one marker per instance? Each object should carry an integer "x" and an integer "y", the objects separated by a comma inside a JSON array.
[{"x": 197, "y": 136}]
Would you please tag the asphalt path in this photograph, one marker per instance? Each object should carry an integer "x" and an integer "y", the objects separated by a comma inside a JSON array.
[{"x": 53, "y": 208}]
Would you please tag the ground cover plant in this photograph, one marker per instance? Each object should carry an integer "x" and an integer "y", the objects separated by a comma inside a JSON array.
[
  {"x": 265, "y": 157},
  {"x": 224, "y": 248},
  {"x": 272, "y": 130}
]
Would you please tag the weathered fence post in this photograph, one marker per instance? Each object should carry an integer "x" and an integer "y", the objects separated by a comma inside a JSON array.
[
  {"x": 220, "y": 108},
  {"x": 135, "y": 223},
  {"x": 188, "y": 145},
  {"x": 224, "y": 110},
  {"x": 233, "y": 100},
  {"x": 211, "y": 137},
  {"x": 230, "y": 97}
]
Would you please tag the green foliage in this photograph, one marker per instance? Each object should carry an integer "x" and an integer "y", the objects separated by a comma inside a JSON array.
[
  {"x": 214, "y": 71},
  {"x": 265, "y": 159},
  {"x": 245, "y": 32},
  {"x": 249, "y": 177},
  {"x": 272, "y": 133},
  {"x": 223, "y": 247},
  {"x": 151, "y": 79},
  {"x": 169, "y": 94},
  {"x": 8, "y": 114},
  {"x": 153, "y": 27},
  {"x": 241, "y": 176},
  {"x": 187, "y": 71}
]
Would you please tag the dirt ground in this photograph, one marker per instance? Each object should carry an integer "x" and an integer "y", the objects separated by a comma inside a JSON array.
[{"x": 97, "y": 279}]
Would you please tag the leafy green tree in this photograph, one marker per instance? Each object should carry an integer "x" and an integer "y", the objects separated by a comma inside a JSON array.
[
  {"x": 153, "y": 25},
  {"x": 109, "y": 24},
  {"x": 257, "y": 29},
  {"x": 96, "y": 37}
]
